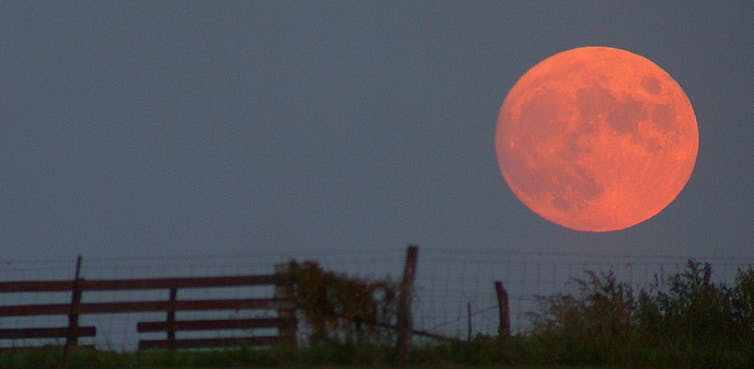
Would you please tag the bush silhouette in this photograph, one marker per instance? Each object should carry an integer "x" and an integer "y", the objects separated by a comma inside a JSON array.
[{"x": 686, "y": 319}]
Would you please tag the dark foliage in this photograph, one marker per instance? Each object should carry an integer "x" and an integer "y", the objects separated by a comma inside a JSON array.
[
  {"x": 687, "y": 321},
  {"x": 338, "y": 308}
]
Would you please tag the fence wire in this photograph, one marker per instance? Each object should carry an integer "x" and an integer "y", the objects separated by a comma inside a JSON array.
[{"x": 453, "y": 289}]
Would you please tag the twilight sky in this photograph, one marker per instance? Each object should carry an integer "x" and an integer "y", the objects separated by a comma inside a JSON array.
[{"x": 132, "y": 128}]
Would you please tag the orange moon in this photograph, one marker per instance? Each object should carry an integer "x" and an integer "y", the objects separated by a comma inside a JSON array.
[{"x": 596, "y": 139}]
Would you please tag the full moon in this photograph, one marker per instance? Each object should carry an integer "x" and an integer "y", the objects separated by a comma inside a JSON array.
[{"x": 596, "y": 139}]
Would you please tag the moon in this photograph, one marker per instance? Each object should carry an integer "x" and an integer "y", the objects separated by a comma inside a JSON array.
[{"x": 596, "y": 139}]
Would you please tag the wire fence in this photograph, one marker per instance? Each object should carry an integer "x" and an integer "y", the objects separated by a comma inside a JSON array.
[
  {"x": 448, "y": 283},
  {"x": 453, "y": 289}
]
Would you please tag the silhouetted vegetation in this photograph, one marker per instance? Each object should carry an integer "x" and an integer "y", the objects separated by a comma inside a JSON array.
[
  {"x": 688, "y": 321},
  {"x": 342, "y": 309},
  {"x": 685, "y": 321}
]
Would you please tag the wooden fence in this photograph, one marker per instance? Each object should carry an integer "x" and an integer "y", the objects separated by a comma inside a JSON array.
[{"x": 282, "y": 302}]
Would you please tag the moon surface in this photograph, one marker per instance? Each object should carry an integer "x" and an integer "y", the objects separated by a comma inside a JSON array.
[{"x": 596, "y": 139}]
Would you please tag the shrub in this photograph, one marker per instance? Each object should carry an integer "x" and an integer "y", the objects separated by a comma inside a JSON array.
[
  {"x": 339, "y": 308},
  {"x": 588, "y": 327},
  {"x": 742, "y": 304},
  {"x": 687, "y": 320},
  {"x": 695, "y": 311}
]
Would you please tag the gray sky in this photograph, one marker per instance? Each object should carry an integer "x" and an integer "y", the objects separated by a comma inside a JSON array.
[{"x": 134, "y": 128}]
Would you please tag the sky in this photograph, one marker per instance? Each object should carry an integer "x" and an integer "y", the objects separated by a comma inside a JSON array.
[{"x": 132, "y": 128}]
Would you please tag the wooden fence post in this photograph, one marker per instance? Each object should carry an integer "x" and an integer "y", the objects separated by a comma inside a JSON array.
[
  {"x": 73, "y": 312},
  {"x": 405, "y": 324},
  {"x": 171, "y": 318},
  {"x": 284, "y": 291},
  {"x": 504, "y": 329}
]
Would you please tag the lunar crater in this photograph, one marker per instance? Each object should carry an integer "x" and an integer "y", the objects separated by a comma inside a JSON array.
[{"x": 651, "y": 85}]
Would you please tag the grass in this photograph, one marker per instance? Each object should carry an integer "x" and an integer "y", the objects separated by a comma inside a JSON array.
[
  {"x": 331, "y": 356},
  {"x": 480, "y": 353},
  {"x": 689, "y": 322}
]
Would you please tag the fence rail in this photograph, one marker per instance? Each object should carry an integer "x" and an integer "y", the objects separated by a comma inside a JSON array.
[
  {"x": 143, "y": 284},
  {"x": 285, "y": 323},
  {"x": 454, "y": 294}
]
